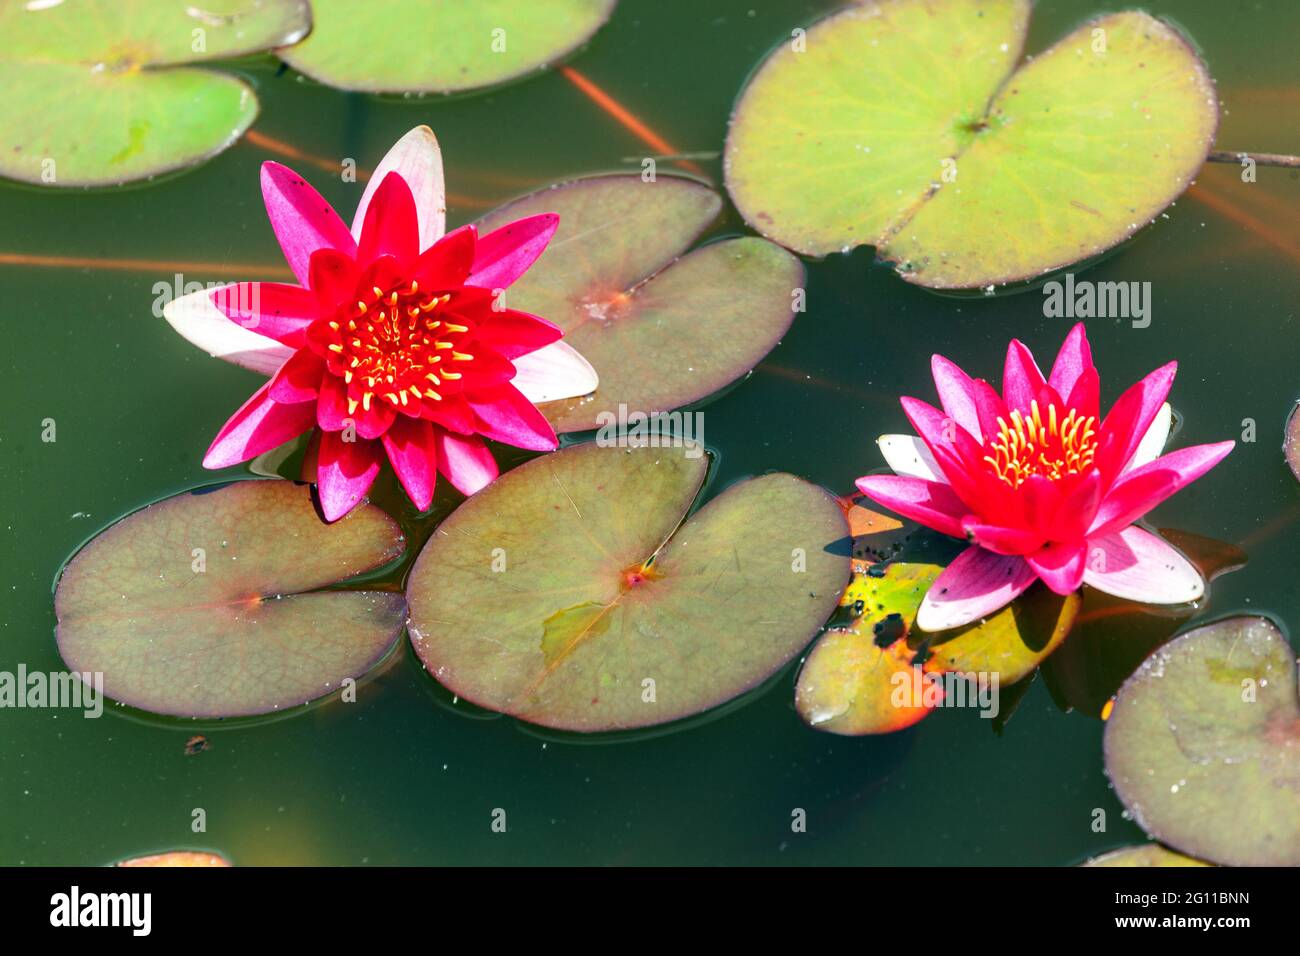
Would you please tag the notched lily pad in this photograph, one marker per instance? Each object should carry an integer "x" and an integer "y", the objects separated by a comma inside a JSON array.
[
  {"x": 95, "y": 94},
  {"x": 570, "y": 593},
  {"x": 907, "y": 126},
  {"x": 661, "y": 331},
  {"x": 208, "y": 604},
  {"x": 439, "y": 46},
  {"x": 1203, "y": 745},
  {"x": 874, "y": 675}
]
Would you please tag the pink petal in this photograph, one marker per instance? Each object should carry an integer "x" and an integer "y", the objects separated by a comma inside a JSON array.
[
  {"x": 332, "y": 413},
  {"x": 465, "y": 460},
  {"x": 1072, "y": 361},
  {"x": 260, "y": 425},
  {"x": 1085, "y": 397},
  {"x": 909, "y": 456},
  {"x": 417, "y": 158},
  {"x": 554, "y": 372},
  {"x": 299, "y": 379},
  {"x": 1141, "y": 489},
  {"x": 200, "y": 322},
  {"x": 303, "y": 221},
  {"x": 956, "y": 394},
  {"x": 391, "y": 227},
  {"x": 504, "y": 254},
  {"x": 1138, "y": 566},
  {"x": 506, "y": 416},
  {"x": 1153, "y": 442},
  {"x": 977, "y": 583},
  {"x": 1021, "y": 379},
  {"x": 278, "y": 311},
  {"x": 515, "y": 333},
  {"x": 1130, "y": 417},
  {"x": 447, "y": 262},
  {"x": 333, "y": 278},
  {"x": 1002, "y": 540},
  {"x": 1060, "y": 566},
  {"x": 930, "y": 503},
  {"x": 345, "y": 470},
  {"x": 414, "y": 456}
]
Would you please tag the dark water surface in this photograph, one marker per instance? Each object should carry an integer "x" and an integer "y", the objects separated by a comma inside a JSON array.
[{"x": 404, "y": 776}]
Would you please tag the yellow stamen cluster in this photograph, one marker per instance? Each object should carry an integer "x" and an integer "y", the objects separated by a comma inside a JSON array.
[
  {"x": 391, "y": 343},
  {"x": 1036, "y": 445}
]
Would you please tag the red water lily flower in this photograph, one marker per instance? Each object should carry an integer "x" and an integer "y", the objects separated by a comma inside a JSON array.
[
  {"x": 1041, "y": 485},
  {"x": 396, "y": 343}
]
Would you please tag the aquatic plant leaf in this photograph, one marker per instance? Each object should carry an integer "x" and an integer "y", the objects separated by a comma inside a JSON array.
[
  {"x": 901, "y": 125},
  {"x": 1144, "y": 854},
  {"x": 439, "y": 46},
  {"x": 208, "y": 604},
  {"x": 91, "y": 95},
  {"x": 570, "y": 593},
  {"x": 858, "y": 679},
  {"x": 661, "y": 331},
  {"x": 1291, "y": 443},
  {"x": 1203, "y": 745},
  {"x": 177, "y": 858}
]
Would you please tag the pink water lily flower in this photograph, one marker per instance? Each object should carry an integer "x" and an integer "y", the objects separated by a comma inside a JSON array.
[
  {"x": 395, "y": 343},
  {"x": 1041, "y": 485}
]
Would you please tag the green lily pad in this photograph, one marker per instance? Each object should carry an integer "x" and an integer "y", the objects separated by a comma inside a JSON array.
[
  {"x": 439, "y": 46},
  {"x": 869, "y": 676},
  {"x": 1203, "y": 745},
  {"x": 570, "y": 593},
  {"x": 1291, "y": 444},
  {"x": 900, "y": 124},
  {"x": 94, "y": 95},
  {"x": 209, "y": 603},
  {"x": 1145, "y": 854},
  {"x": 661, "y": 331}
]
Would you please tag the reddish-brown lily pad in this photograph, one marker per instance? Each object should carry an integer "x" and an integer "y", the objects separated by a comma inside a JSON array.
[
  {"x": 210, "y": 603},
  {"x": 1291, "y": 444},
  {"x": 661, "y": 331},
  {"x": 570, "y": 593}
]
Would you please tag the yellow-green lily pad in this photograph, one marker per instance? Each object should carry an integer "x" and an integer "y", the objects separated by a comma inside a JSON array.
[
  {"x": 1203, "y": 745},
  {"x": 96, "y": 93},
  {"x": 662, "y": 329},
  {"x": 1144, "y": 854},
  {"x": 216, "y": 602},
  {"x": 440, "y": 46},
  {"x": 574, "y": 592},
  {"x": 906, "y": 125}
]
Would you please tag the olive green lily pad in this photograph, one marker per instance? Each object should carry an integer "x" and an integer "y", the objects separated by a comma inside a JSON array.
[
  {"x": 440, "y": 46},
  {"x": 1291, "y": 444},
  {"x": 95, "y": 94},
  {"x": 906, "y": 125},
  {"x": 661, "y": 331},
  {"x": 1203, "y": 745},
  {"x": 871, "y": 676},
  {"x": 1145, "y": 854},
  {"x": 210, "y": 603},
  {"x": 570, "y": 593}
]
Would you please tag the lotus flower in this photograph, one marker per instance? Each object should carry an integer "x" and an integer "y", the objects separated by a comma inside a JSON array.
[
  {"x": 395, "y": 343},
  {"x": 1040, "y": 485}
]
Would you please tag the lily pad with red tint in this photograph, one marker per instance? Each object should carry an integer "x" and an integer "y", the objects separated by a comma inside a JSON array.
[
  {"x": 218, "y": 602},
  {"x": 103, "y": 92},
  {"x": 662, "y": 326},
  {"x": 914, "y": 127},
  {"x": 1291, "y": 444},
  {"x": 187, "y": 858},
  {"x": 575, "y": 592},
  {"x": 1203, "y": 745},
  {"x": 440, "y": 46}
]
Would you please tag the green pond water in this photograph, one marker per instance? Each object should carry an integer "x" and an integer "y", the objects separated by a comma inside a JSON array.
[{"x": 407, "y": 776}]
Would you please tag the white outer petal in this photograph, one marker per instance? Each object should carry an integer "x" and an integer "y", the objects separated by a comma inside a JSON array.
[
  {"x": 1139, "y": 566},
  {"x": 203, "y": 324},
  {"x": 910, "y": 457},
  {"x": 1153, "y": 442},
  {"x": 554, "y": 372},
  {"x": 417, "y": 157}
]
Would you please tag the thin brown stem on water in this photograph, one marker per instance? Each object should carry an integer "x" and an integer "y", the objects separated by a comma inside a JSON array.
[{"x": 1261, "y": 159}]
